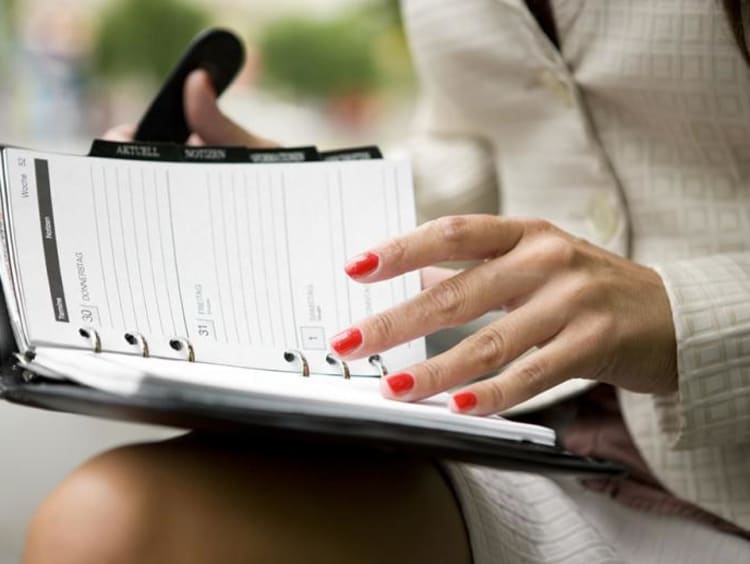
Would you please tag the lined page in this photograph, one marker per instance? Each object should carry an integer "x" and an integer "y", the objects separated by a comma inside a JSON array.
[{"x": 243, "y": 261}]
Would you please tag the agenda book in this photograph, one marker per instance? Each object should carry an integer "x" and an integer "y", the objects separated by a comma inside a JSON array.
[{"x": 199, "y": 287}]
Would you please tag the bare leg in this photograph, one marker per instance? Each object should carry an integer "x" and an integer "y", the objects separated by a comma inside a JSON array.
[{"x": 194, "y": 499}]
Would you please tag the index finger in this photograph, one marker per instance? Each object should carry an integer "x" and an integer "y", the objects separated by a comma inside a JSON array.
[{"x": 450, "y": 238}]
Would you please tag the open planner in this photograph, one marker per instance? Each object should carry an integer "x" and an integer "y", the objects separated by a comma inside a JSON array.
[{"x": 199, "y": 287}]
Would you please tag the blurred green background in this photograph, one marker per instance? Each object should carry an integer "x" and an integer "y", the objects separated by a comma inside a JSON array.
[{"x": 329, "y": 72}]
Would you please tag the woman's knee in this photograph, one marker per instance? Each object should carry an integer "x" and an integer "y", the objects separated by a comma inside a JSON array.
[
  {"x": 196, "y": 500},
  {"x": 105, "y": 511}
]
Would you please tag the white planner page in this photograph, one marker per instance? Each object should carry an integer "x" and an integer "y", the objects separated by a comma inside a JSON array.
[
  {"x": 241, "y": 261},
  {"x": 319, "y": 395}
]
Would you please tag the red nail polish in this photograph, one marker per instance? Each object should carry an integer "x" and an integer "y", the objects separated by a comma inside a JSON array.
[
  {"x": 346, "y": 341},
  {"x": 400, "y": 383},
  {"x": 362, "y": 265},
  {"x": 465, "y": 401}
]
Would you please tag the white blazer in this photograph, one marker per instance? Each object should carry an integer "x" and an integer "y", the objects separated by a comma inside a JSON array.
[{"x": 636, "y": 136}]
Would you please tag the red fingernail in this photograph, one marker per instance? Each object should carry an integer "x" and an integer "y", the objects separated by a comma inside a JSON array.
[
  {"x": 400, "y": 383},
  {"x": 346, "y": 341},
  {"x": 465, "y": 401},
  {"x": 362, "y": 265}
]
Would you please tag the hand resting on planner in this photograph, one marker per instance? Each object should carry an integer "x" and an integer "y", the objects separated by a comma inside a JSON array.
[{"x": 591, "y": 314}]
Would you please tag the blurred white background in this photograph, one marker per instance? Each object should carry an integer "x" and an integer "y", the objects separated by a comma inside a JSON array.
[{"x": 325, "y": 72}]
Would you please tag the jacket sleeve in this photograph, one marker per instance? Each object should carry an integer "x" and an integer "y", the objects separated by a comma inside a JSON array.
[
  {"x": 710, "y": 300},
  {"x": 454, "y": 169}
]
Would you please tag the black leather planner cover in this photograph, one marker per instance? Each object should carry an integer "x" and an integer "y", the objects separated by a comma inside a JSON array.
[{"x": 206, "y": 409}]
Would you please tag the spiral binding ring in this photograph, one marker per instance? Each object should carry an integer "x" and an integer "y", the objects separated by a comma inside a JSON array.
[
  {"x": 138, "y": 339},
  {"x": 332, "y": 360},
  {"x": 179, "y": 344},
  {"x": 377, "y": 362},
  {"x": 93, "y": 337},
  {"x": 293, "y": 354}
]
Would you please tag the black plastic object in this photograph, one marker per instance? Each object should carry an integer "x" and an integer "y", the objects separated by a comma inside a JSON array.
[
  {"x": 221, "y": 54},
  {"x": 205, "y": 409}
]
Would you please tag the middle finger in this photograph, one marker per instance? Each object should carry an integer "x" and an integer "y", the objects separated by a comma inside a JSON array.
[
  {"x": 489, "y": 349},
  {"x": 454, "y": 301}
]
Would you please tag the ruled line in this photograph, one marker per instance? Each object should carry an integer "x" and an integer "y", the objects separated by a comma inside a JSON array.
[
  {"x": 237, "y": 238},
  {"x": 159, "y": 222},
  {"x": 151, "y": 262},
  {"x": 125, "y": 250},
  {"x": 99, "y": 247},
  {"x": 131, "y": 194},
  {"x": 343, "y": 241},
  {"x": 261, "y": 215},
  {"x": 225, "y": 232},
  {"x": 250, "y": 224},
  {"x": 331, "y": 231},
  {"x": 284, "y": 216},
  {"x": 112, "y": 246},
  {"x": 215, "y": 257},
  {"x": 174, "y": 253}
]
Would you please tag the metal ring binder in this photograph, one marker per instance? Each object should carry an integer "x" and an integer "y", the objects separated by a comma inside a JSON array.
[
  {"x": 378, "y": 363},
  {"x": 138, "y": 339},
  {"x": 292, "y": 354},
  {"x": 179, "y": 344},
  {"x": 93, "y": 336},
  {"x": 330, "y": 359}
]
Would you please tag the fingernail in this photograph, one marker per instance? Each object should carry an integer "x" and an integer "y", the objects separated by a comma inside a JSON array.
[
  {"x": 346, "y": 341},
  {"x": 464, "y": 401},
  {"x": 362, "y": 265},
  {"x": 400, "y": 383}
]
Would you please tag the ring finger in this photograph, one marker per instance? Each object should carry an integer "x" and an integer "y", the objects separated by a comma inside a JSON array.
[{"x": 490, "y": 348}]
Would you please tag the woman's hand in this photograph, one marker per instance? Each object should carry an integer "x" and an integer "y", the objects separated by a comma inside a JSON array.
[
  {"x": 207, "y": 122},
  {"x": 592, "y": 314}
]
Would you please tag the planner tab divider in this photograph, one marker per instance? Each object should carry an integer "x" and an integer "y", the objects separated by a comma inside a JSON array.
[
  {"x": 284, "y": 155},
  {"x": 138, "y": 151},
  {"x": 352, "y": 154},
  {"x": 213, "y": 154},
  {"x": 171, "y": 152}
]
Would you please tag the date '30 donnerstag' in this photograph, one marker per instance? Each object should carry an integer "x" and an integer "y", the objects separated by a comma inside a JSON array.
[{"x": 88, "y": 312}]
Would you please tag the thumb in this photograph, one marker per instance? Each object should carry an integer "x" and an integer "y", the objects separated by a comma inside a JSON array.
[{"x": 206, "y": 119}]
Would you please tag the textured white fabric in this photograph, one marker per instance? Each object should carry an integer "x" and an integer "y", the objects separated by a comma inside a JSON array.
[
  {"x": 636, "y": 136},
  {"x": 516, "y": 518}
]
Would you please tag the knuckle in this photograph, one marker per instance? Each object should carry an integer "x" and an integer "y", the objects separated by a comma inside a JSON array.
[
  {"x": 395, "y": 251},
  {"x": 561, "y": 251},
  {"x": 453, "y": 232},
  {"x": 538, "y": 225},
  {"x": 495, "y": 394},
  {"x": 488, "y": 348},
  {"x": 579, "y": 289},
  {"x": 433, "y": 376},
  {"x": 532, "y": 376},
  {"x": 603, "y": 329},
  {"x": 453, "y": 229},
  {"x": 448, "y": 301},
  {"x": 383, "y": 327}
]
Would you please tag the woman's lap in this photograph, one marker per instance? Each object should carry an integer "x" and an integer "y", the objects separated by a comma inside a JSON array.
[
  {"x": 198, "y": 498},
  {"x": 514, "y": 517}
]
